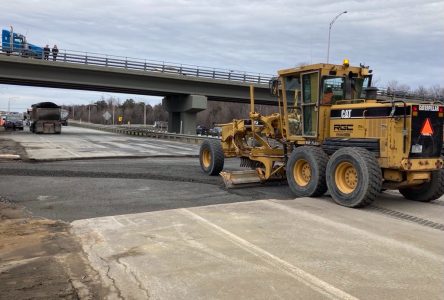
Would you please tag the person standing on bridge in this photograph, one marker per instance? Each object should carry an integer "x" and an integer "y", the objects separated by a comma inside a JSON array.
[
  {"x": 55, "y": 51},
  {"x": 46, "y": 51}
]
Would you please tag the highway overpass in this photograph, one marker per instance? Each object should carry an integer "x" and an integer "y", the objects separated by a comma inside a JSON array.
[{"x": 185, "y": 89}]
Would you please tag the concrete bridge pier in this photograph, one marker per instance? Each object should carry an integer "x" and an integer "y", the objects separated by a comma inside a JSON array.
[{"x": 182, "y": 109}]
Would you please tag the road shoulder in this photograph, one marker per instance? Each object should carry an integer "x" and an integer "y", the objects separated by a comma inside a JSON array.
[{"x": 39, "y": 258}]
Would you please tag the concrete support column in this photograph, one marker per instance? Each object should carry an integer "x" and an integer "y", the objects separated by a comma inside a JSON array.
[{"x": 182, "y": 111}]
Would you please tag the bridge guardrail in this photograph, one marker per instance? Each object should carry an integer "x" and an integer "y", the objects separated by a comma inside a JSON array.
[
  {"x": 142, "y": 131},
  {"x": 97, "y": 59},
  {"x": 406, "y": 95}
]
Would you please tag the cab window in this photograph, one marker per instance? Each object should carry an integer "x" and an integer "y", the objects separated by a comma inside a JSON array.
[
  {"x": 360, "y": 85},
  {"x": 332, "y": 90},
  {"x": 293, "y": 91},
  {"x": 310, "y": 96}
]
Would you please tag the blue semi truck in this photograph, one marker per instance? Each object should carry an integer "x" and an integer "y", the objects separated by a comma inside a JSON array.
[{"x": 16, "y": 44}]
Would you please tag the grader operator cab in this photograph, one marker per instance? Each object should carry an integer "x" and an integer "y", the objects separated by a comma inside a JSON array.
[{"x": 332, "y": 133}]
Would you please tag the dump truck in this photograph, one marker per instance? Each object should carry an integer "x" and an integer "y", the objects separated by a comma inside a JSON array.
[
  {"x": 330, "y": 132},
  {"x": 45, "y": 118},
  {"x": 16, "y": 43}
]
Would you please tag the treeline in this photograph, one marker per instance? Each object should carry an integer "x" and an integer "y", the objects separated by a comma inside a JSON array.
[
  {"x": 129, "y": 111},
  {"x": 224, "y": 112},
  {"x": 435, "y": 92},
  {"x": 133, "y": 112}
]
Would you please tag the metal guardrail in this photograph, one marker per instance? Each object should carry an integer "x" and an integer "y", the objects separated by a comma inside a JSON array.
[
  {"x": 388, "y": 93},
  {"x": 97, "y": 59},
  {"x": 142, "y": 131}
]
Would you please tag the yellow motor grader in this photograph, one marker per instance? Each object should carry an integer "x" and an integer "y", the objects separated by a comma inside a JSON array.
[{"x": 331, "y": 132}]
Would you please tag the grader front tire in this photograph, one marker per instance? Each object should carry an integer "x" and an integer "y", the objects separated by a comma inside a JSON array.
[
  {"x": 306, "y": 171},
  {"x": 354, "y": 178},
  {"x": 428, "y": 191},
  {"x": 211, "y": 157}
]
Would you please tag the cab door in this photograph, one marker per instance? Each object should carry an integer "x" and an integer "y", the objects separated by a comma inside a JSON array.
[{"x": 310, "y": 102}]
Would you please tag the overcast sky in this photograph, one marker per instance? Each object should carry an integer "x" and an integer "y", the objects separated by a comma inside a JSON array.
[{"x": 401, "y": 40}]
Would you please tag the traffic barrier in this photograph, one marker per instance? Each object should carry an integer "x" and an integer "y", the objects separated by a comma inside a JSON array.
[{"x": 144, "y": 132}]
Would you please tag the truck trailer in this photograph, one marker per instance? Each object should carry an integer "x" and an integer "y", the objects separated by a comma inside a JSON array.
[{"x": 46, "y": 118}]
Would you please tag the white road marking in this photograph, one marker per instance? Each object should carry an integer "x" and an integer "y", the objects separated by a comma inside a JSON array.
[
  {"x": 179, "y": 147},
  {"x": 60, "y": 146},
  {"x": 149, "y": 146},
  {"x": 311, "y": 281}
]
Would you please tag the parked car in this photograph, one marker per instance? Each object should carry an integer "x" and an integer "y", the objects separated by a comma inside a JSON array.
[
  {"x": 13, "y": 122},
  {"x": 201, "y": 130},
  {"x": 216, "y": 131}
]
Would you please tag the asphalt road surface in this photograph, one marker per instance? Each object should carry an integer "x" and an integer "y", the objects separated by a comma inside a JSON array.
[{"x": 157, "y": 227}]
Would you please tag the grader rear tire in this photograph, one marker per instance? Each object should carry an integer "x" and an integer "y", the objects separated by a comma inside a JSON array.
[
  {"x": 354, "y": 178},
  {"x": 306, "y": 171},
  {"x": 211, "y": 157},
  {"x": 427, "y": 191}
]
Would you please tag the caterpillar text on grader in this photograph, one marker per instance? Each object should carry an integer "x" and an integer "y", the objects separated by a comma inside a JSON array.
[{"x": 332, "y": 133}]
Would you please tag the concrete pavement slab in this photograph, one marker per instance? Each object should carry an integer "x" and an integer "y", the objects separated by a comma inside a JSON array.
[
  {"x": 267, "y": 249},
  {"x": 78, "y": 143}
]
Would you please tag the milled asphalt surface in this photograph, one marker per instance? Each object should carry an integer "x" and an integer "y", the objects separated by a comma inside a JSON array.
[
  {"x": 72, "y": 190},
  {"x": 159, "y": 228}
]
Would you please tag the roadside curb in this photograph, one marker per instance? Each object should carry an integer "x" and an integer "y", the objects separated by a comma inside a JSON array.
[{"x": 9, "y": 157}]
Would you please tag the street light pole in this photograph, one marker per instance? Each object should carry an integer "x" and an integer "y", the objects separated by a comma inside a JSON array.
[
  {"x": 89, "y": 112},
  {"x": 144, "y": 113},
  {"x": 9, "y": 103},
  {"x": 329, "y": 33}
]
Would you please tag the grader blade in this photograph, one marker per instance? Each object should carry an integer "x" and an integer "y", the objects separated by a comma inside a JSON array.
[{"x": 240, "y": 178}]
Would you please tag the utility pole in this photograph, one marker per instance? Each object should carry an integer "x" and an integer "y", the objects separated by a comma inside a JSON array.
[
  {"x": 113, "y": 109},
  {"x": 144, "y": 113},
  {"x": 12, "y": 39},
  {"x": 89, "y": 112},
  {"x": 9, "y": 103},
  {"x": 329, "y": 33}
]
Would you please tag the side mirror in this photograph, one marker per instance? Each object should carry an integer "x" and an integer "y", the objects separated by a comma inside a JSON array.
[{"x": 274, "y": 86}]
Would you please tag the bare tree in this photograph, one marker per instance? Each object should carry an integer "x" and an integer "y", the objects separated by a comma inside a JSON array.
[{"x": 435, "y": 91}]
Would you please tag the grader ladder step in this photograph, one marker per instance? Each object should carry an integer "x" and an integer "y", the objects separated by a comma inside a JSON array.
[{"x": 240, "y": 178}]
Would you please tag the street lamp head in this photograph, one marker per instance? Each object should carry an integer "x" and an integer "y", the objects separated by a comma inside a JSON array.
[{"x": 344, "y": 12}]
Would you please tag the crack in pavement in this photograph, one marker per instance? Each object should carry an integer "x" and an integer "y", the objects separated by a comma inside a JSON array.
[
  {"x": 108, "y": 268},
  {"x": 139, "y": 283}
]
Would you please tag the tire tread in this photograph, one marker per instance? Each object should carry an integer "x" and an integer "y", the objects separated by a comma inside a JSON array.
[
  {"x": 217, "y": 155},
  {"x": 374, "y": 175},
  {"x": 430, "y": 193}
]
